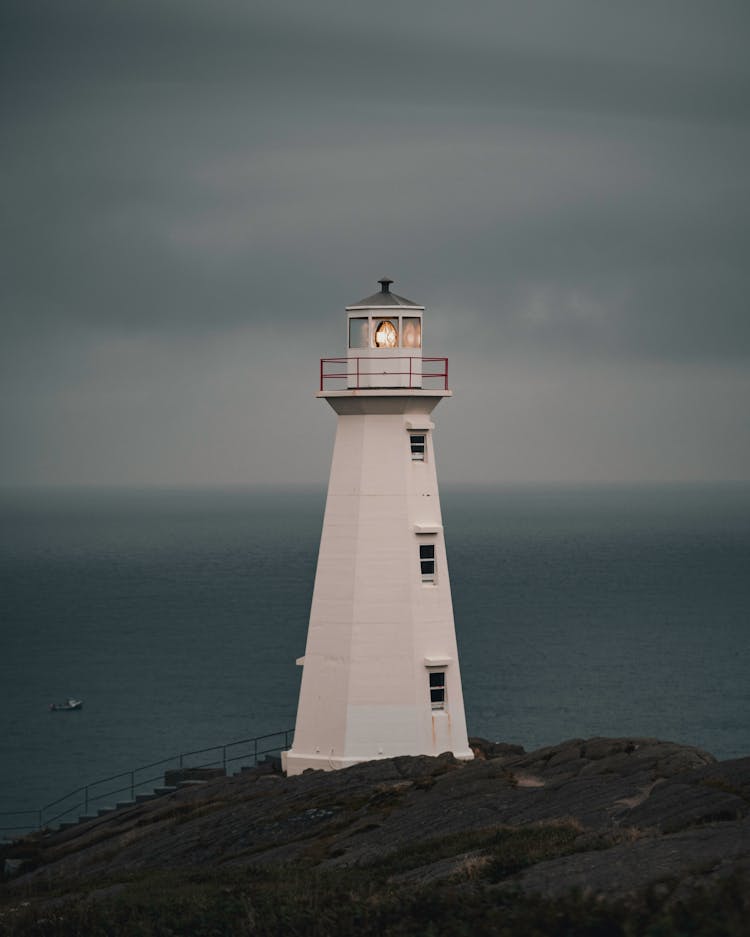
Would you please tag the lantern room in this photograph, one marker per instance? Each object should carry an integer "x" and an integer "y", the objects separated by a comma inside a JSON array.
[{"x": 384, "y": 340}]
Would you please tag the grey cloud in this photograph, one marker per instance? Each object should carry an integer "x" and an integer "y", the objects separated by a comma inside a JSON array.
[
  {"x": 473, "y": 58},
  {"x": 192, "y": 192}
]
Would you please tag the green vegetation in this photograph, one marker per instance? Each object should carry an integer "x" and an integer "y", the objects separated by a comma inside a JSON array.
[
  {"x": 505, "y": 850},
  {"x": 383, "y": 899}
]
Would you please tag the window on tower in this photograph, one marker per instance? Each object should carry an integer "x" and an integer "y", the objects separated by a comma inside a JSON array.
[
  {"x": 359, "y": 333},
  {"x": 411, "y": 332},
  {"x": 417, "y": 444},
  {"x": 386, "y": 333},
  {"x": 427, "y": 561},
  {"x": 437, "y": 689}
]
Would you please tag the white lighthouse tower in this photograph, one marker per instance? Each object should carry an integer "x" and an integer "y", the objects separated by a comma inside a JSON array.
[{"x": 380, "y": 673}]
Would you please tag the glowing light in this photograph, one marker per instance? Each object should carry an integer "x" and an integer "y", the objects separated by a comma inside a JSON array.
[{"x": 386, "y": 335}]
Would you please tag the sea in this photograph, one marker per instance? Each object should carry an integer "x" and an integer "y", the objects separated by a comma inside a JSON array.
[{"x": 177, "y": 616}]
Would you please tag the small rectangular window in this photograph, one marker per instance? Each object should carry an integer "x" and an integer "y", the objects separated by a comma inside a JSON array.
[
  {"x": 417, "y": 444},
  {"x": 437, "y": 689},
  {"x": 359, "y": 333},
  {"x": 427, "y": 561},
  {"x": 411, "y": 332}
]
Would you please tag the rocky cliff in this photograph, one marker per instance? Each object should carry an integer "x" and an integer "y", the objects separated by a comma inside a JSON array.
[{"x": 635, "y": 826}]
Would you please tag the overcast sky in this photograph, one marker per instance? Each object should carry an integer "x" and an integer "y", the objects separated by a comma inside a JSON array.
[{"x": 193, "y": 190}]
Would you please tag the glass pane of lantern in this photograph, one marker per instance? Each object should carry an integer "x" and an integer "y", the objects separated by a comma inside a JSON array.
[
  {"x": 358, "y": 333},
  {"x": 411, "y": 333},
  {"x": 386, "y": 334}
]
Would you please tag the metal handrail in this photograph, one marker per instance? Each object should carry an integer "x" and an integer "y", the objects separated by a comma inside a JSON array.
[
  {"x": 86, "y": 795},
  {"x": 352, "y": 371}
]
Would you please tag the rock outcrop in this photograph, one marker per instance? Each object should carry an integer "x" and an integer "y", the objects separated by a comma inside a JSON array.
[{"x": 619, "y": 816}]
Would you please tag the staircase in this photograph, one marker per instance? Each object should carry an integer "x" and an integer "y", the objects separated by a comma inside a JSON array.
[{"x": 144, "y": 783}]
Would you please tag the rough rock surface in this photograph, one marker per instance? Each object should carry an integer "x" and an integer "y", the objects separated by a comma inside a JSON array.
[
  {"x": 643, "y": 811},
  {"x": 708, "y": 852}
]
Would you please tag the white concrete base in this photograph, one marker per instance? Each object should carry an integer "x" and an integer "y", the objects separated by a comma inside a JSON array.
[{"x": 292, "y": 764}]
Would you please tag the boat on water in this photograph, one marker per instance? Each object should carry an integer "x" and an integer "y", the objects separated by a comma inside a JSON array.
[{"x": 68, "y": 705}]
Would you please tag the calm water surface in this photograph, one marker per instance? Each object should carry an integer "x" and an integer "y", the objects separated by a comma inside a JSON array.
[{"x": 177, "y": 616}]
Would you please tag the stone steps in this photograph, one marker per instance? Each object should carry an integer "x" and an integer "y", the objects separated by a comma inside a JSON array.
[{"x": 160, "y": 791}]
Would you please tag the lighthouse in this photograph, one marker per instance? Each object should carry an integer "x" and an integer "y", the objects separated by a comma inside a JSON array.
[{"x": 380, "y": 673}]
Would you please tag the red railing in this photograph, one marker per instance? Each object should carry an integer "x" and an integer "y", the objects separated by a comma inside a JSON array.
[{"x": 361, "y": 371}]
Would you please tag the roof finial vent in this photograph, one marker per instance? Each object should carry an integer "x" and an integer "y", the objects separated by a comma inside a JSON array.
[{"x": 384, "y": 284}]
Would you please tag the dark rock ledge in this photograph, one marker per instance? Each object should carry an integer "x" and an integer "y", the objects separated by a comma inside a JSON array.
[{"x": 632, "y": 813}]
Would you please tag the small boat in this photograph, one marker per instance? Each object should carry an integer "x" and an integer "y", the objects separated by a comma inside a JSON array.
[{"x": 66, "y": 706}]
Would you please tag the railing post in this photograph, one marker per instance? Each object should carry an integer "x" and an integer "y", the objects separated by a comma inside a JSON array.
[
  {"x": 86, "y": 799},
  {"x": 357, "y": 359},
  {"x": 321, "y": 374},
  {"x": 255, "y": 751},
  {"x": 180, "y": 759},
  {"x": 132, "y": 785},
  {"x": 446, "y": 374},
  {"x": 410, "y": 360},
  {"x": 39, "y": 819},
  {"x": 224, "y": 758}
]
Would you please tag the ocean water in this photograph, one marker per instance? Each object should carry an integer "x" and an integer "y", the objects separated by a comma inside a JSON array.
[{"x": 177, "y": 617}]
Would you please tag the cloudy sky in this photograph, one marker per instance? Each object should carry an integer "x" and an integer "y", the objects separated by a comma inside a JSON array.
[{"x": 193, "y": 190}]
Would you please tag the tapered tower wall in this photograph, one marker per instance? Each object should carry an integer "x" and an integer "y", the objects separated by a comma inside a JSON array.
[{"x": 378, "y": 629}]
